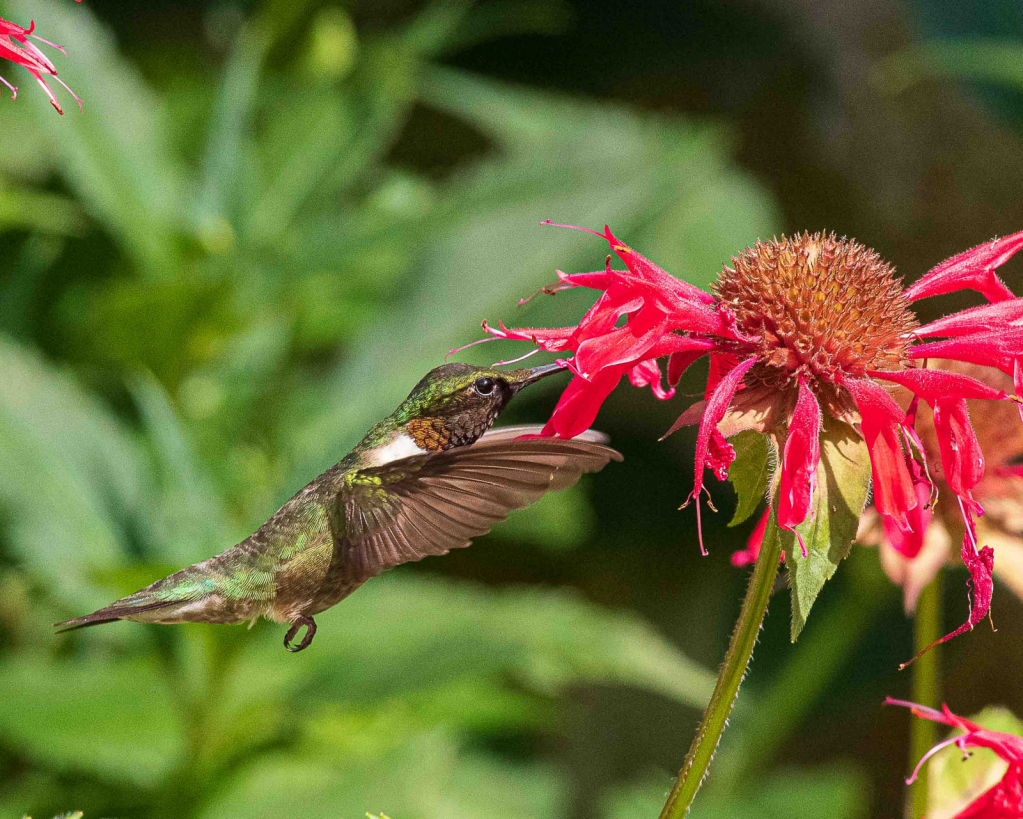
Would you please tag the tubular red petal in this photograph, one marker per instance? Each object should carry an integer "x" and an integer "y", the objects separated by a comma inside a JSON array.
[
  {"x": 800, "y": 458},
  {"x": 973, "y": 269},
  {"x": 909, "y": 544},
  {"x": 641, "y": 266},
  {"x": 580, "y": 403},
  {"x": 698, "y": 318},
  {"x": 984, "y": 319},
  {"x": 680, "y": 361},
  {"x": 961, "y": 457},
  {"x": 717, "y": 403},
  {"x": 1017, "y": 382},
  {"x": 553, "y": 339},
  {"x": 932, "y": 385},
  {"x": 998, "y": 349},
  {"x": 894, "y": 494},
  {"x": 622, "y": 345},
  {"x": 720, "y": 364}
]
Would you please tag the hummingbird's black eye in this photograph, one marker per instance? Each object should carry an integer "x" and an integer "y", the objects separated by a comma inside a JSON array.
[{"x": 485, "y": 385}]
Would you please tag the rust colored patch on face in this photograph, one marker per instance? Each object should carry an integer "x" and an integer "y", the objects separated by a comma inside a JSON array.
[{"x": 430, "y": 434}]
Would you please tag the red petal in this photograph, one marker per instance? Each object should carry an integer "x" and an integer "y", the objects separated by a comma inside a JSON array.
[
  {"x": 961, "y": 457},
  {"x": 552, "y": 339},
  {"x": 641, "y": 266},
  {"x": 934, "y": 384},
  {"x": 720, "y": 455},
  {"x": 648, "y": 374},
  {"x": 909, "y": 544},
  {"x": 680, "y": 361},
  {"x": 720, "y": 364},
  {"x": 744, "y": 557},
  {"x": 622, "y": 345},
  {"x": 973, "y": 269},
  {"x": 580, "y": 403},
  {"x": 983, "y": 319},
  {"x": 997, "y": 349},
  {"x": 980, "y": 565},
  {"x": 894, "y": 494},
  {"x": 716, "y": 406},
  {"x": 800, "y": 458}
]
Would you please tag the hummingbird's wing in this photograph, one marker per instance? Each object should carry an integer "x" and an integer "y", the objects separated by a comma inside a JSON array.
[{"x": 429, "y": 504}]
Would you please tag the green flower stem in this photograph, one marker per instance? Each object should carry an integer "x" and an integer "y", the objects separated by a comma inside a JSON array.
[
  {"x": 813, "y": 664},
  {"x": 926, "y": 688},
  {"x": 740, "y": 649}
]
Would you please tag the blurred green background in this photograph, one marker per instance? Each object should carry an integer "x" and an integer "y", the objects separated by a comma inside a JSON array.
[{"x": 272, "y": 218}]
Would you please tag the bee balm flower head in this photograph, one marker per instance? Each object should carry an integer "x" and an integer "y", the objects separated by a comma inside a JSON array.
[{"x": 803, "y": 333}]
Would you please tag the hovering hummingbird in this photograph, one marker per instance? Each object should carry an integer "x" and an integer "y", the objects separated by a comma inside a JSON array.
[{"x": 425, "y": 480}]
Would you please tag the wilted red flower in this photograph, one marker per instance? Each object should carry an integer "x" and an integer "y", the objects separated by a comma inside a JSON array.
[
  {"x": 911, "y": 560},
  {"x": 15, "y": 46},
  {"x": 799, "y": 328},
  {"x": 1005, "y": 799}
]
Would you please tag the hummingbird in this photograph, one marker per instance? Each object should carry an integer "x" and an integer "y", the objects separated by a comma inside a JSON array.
[{"x": 427, "y": 479}]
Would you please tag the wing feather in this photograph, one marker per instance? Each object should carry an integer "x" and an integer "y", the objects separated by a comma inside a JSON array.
[{"x": 429, "y": 504}]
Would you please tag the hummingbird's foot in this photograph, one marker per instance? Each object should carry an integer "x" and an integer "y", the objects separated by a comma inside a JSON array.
[{"x": 310, "y": 632}]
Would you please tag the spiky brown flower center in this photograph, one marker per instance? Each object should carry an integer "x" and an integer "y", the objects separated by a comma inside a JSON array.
[{"x": 819, "y": 306}]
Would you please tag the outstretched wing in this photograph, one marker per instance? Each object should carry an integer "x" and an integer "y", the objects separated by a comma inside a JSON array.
[{"x": 429, "y": 504}]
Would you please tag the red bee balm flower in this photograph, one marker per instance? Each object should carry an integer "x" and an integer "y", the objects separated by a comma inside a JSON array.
[
  {"x": 807, "y": 337},
  {"x": 15, "y": 46},
  {"x": 1005, "y": 799}
]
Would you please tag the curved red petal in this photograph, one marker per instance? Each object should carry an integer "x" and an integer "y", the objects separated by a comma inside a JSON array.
[
  {"x": 972, "y": 269},
  {"x": 934, "y": 384},
  {"x": 894, "y": 494},
  {"x": 984, "y": 319}
]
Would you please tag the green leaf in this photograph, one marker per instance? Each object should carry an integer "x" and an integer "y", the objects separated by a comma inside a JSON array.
[
  {"x": 68, "y": 475},
  {"x": 748, "y": 473},
  {"x": 116, "y": 719},
  {"x": 427, "y": 776},
  {"x": 843, "y": 480},
  {"x": 190, "y": 516}
]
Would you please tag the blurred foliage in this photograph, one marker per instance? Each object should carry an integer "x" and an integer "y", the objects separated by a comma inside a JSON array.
[
  {"x": 216, "y": 277},
  {"x": 229, "y": 277}
]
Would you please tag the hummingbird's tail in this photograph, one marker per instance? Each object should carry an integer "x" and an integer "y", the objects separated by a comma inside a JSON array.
[
  {"x": 197, "y": 594},
  {"x": 119, "y": 610}
]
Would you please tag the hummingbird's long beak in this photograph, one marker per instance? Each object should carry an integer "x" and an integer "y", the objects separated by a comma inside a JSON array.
[{"x": 534, "y": 374}]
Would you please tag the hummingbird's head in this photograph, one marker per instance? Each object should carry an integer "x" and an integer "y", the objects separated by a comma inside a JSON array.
[{"x": 455, "y": 404}]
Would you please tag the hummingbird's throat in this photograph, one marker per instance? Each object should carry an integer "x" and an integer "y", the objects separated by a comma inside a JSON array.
[
  {"x": 429, "y": 433},
  {"x": 437, "y": 434}
]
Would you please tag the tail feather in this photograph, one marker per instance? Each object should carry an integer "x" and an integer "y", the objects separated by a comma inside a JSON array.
[{"x": 112, "y": 613}]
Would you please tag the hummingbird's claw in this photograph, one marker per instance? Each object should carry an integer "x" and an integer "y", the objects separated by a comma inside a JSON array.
[{"x": 310, "y": 631}]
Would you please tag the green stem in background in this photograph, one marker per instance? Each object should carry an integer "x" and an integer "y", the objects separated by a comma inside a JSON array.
[
  {"x": 740, "y": 649},
  {"x": 926, "y": 689}
]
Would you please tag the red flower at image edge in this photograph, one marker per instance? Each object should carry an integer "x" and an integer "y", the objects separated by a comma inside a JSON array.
[
  {"x": 1005, "y": 799},
  {"x": 16, "y": 47},
  {"x": 799, "y": 328}
]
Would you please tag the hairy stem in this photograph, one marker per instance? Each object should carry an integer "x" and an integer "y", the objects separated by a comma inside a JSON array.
[
  {"x": 926, "y": 688},
  {"x": 740, "y": 649}
]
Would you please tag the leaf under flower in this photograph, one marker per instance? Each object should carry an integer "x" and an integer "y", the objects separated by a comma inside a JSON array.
[{"x": 828, "y": 531}]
